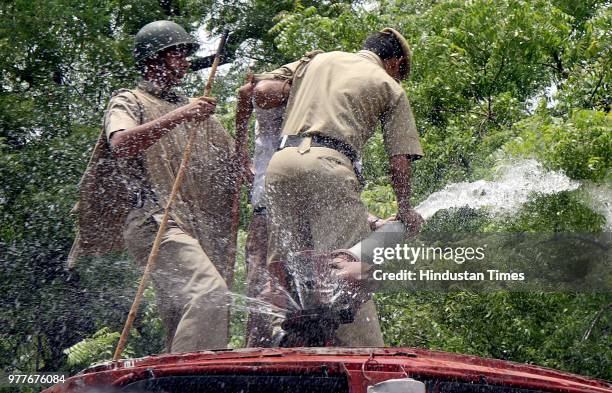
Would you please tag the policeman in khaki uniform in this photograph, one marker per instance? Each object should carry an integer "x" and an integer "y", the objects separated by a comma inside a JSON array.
[
  {"x": 313, "y": 182},
  {"x": 265, "y": 95},
  {"x": 147, "y": 129}
]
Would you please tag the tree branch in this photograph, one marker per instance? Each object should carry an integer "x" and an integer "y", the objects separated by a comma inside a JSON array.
[
  {"x": 603, "y": 72},
  {"x": 598, "y": 316}
]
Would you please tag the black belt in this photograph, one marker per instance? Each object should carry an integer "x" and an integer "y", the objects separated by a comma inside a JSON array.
[
  {"x": 319, "y": 141},
  {"x": 330, "y": 143}
]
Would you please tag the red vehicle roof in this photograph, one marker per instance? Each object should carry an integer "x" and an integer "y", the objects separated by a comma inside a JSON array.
[{"x": 362, "y": 366}]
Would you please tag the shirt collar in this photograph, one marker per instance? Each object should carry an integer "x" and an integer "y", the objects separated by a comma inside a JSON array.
[
  {"x": 153, "y": 89},
  {"x": 374, "y": 58},
  {"x": 371, "y": 56}
]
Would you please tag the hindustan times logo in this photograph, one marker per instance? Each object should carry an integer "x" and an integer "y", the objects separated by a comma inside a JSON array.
[{"x": 411, "y": 254}]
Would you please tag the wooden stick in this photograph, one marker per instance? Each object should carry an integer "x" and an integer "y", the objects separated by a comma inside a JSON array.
[{"x": 162, "y": 226}]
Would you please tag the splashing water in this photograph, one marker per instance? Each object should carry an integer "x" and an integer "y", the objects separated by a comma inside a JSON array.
[
  {"x": 513, "y": 184},
  {"x": 517, "y": 180},
  {"x": 254, "y": 305},
  {"x": 599, "y": 198}
]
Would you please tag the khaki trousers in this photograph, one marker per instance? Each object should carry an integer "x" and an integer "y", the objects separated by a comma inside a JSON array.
[
  {"x": 314, "y": 204},
  {"x": 191, "y": 294}
]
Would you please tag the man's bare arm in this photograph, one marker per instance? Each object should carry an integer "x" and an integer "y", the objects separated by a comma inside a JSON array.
[
  {"x": 400, "y": 171},
  {"x": 244, "y": 110},
  {"x": 271, "y": 93},
  {"x": 131, "y": 141},
  {"x": 267, "y": 94}
]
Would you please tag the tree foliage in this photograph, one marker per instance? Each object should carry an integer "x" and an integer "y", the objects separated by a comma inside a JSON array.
[
  {"x": 558, "y": 142},
  {"x": 490, "y": 79}
]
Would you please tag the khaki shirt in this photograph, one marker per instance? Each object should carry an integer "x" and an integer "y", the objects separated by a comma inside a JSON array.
[
  {"x": 203, "y": 204},
  {"x": 344, "y": 96}
]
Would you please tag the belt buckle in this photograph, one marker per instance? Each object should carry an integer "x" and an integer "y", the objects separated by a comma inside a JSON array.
[{"x": 283, "y": 142}]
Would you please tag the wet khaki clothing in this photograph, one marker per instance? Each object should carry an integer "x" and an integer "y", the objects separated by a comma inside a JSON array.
[
  {"x": 313, "y": 192},
  {"x": 344, "y": 96},
  {"x": 192, "y": 266},
  {"x": 314, "y": 204}
]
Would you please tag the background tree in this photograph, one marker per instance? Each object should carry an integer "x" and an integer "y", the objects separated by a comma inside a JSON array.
[{"x": 491, "y": 80}]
